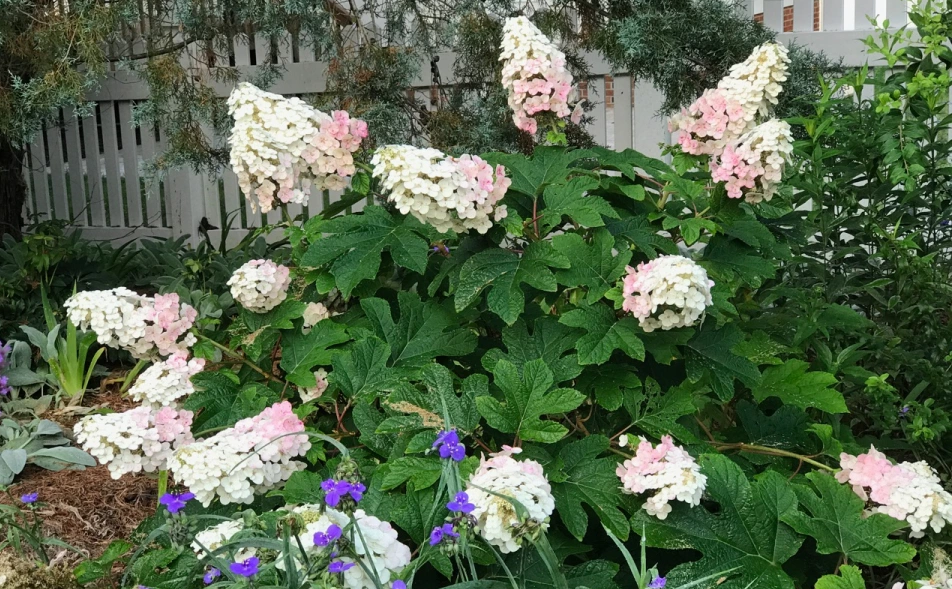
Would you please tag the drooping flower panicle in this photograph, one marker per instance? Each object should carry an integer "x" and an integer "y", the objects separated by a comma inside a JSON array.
[
  {"x": 534, "y": 74},
  {"x": 138, "y": 440},
  {"x": 448, "y": 193},
  {"x": 667, "y": 469},
  {"x": 497, "y": 519},
  {"x": 281, "y": 148},
  {"x": 726, "y": 124},
  {"x": 252, "y": 457},
  {"x": 908, "y": 491},
  {"x": 123, "y": 319},
  {"x": 667, "y": 292}
]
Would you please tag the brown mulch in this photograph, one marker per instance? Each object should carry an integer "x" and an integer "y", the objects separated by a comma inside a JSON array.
[{"x": 87, "y": 508}]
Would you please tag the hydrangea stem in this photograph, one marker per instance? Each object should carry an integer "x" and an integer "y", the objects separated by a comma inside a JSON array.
[
  {"x": 240, "y": 357},
  {"x": 722, "y": 446},
  {"x": 163, "y": 484}
]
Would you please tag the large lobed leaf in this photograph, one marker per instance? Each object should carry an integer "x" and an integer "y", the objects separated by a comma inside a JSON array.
[
  {"x": 527, "y": 397},
  {"x": 747, "y": 533}
]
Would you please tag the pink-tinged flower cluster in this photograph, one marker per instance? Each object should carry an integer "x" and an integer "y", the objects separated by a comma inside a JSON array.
[
  {"x": 724, "y": 123},
  {"x": 909, "y": 491},
  {"x": 446, "y": 192},
  {"x": 534, "y": 74},
  {"x": 497, "y": 519},
  {"x": 667, "y": 292},
  {"x": 281, "y": 148},
  {"x": 254, "y": 456},
  {"x": 167, "y": 321},
  {"x": 260, "y": 285},
  {"x": 138, "y": 440},
  {"x": 667, "y": 469},
  {"x": 164, "y": 383},
  {"x": 145, "y": 326},
  {"x": 753, "y": 167}
]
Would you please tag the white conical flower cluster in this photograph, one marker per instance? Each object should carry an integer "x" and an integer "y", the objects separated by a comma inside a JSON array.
[
  {"x": 446, "y": 192},
  {"x": 281, "y": 148},
  {"x": 667, "y": 292},
  {"x": 667, "y": 469},
  {"x": 725, "y": 123},
  {"x": 216, "y": 536},
  {"x": 533, "y": 73},
  {"x": 138, "y": 440},
  {"x": 497, "y": 519}
]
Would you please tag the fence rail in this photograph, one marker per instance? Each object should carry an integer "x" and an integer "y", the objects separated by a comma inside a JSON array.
[{"x": 92, "y": 170}]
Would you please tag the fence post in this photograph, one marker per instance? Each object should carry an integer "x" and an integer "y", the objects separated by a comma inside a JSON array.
[{"x": 186, "y": 202}]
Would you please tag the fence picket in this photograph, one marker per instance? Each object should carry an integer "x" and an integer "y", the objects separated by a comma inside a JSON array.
[
  {"x": 132, "y": 195},
  {"x": 650, "y": 129},
  {"x": 110, "y": 148},
  {"x": 803, "y": 15},
  {"x": 94, "y": 173},
  {"x": 77, "y": 192},
  {"x": 623, "y": 112},
  {"x": 41, "y": 189}
]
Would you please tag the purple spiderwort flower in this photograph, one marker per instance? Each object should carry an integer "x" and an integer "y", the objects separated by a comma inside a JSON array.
[
  {"x": 176, "y": 503},
  {"x": 658, "y": 583},
  {"x": 211, "y": 575},
  {"x": 248, "y": 568},
  {"x": 444, "y": 532},
  {"x": 339, "y": 566},
  {"x": 398, "y": 584},
  {"x": 448, "y": 444},
  {"x": 29, "y": 498},
  {"x": 461, "y": 503},
  {"x": 332, "y": 534},
  {"x": 335, "y": 490},
  {"x": 904, "y": 410}
]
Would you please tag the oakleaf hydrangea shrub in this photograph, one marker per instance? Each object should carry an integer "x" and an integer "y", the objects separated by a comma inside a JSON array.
[{"x": 439, "y": 390}]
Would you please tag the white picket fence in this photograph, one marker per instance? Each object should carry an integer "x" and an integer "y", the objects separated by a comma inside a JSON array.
[{"x": 91, "y": 171}]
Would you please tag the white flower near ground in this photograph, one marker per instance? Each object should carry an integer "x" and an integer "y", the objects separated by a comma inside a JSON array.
[
  {"x": 314, "y": 313},
  {"x": 217, "y": 536},
  {"x": 667, "y": 469},
  {"x": 667, "y": 292},
  {"x": 446, "y": 192},
  {"x": 252, "y": 457},
  {"x": 313, "y": 393},
  {"x": 375, "y": 542},
  {"x": 139, "y": 440},
  {"x": 497, "y": 518},
  {"x": 260, "y": 285}
]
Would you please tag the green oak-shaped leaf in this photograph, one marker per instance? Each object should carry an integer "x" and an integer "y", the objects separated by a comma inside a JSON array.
[
  {"x": 746, "y": 533},
  {"x": 710, "y": 351},
  {"x": 657, "y": 413},
  {"x": 643, "y": 235},
  {"x": 430, "y": 409},
  {"x": 530, "y": 175},
  {"x": 593, "y": 265},
  {"x": 302, "y": 352},
  {"x": 503, "y": 272},
  {"x": 590, "y": 480},
  {"x": 423, "y": 331},
  {"x": 362, "y": 369},
  {"x": 850, "y": 577},
  {"x": 526, "y": 399},
  {"x": 353, "y": 245},
  {"x": 791, "y": 383},
  {"x": 571, "y": 200},
  {"x": 549, "y": 341},
  {"x": 837, "y": 522},
  {"x": 606, "y": 333}
]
